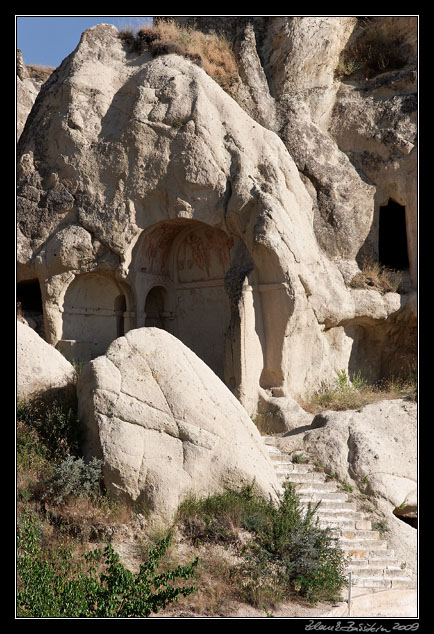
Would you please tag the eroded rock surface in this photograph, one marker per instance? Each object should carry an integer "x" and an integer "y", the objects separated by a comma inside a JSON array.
[
  {"x": 166, "y": 426},
  {"x": 41, "y": 369},
  {"x": 148, "y": 196},
  {"x": 376, "y": 449}
]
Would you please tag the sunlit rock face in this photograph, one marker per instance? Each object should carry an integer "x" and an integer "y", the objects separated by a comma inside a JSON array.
[{"x": 147, "y": 196}]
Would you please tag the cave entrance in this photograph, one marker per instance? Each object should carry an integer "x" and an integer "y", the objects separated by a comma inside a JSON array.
[
  {"x": 392, "y": 237},
  {"x": 29, "y": 296},
  {"x": 156, "y": 302},
  {"x": 29, "y": 304}
]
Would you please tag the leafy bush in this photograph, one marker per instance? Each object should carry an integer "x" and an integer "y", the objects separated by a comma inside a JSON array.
[
  {"x": 55, "y": 424},
  {"x": 294, "y": 553},
  {"x": 58, "y": 585},
  {"x": 287, "y": 552},
  {"x": 75, "y": 477}
]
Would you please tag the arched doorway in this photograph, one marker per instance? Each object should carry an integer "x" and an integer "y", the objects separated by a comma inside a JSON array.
[
  {"x": 155, "y": 305},
  {"x": 93, "y": 316},
  {"x": 180, "y": 269}
]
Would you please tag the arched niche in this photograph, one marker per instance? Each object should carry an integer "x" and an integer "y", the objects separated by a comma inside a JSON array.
[
  {"x": 180, "y": 266},
  {"x": 156, "y": 312},
  {"x": 93, "y": 316}
]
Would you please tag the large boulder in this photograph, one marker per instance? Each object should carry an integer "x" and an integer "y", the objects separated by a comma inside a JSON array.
[
  {"x": 166, "y": 426},
  {"x": 41, "y": 369},
  {"x": 377, "y": 444}
]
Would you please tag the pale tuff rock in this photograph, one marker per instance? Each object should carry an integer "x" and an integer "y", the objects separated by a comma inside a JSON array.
[
  {"x": 166, "y": 426},
  {"x": 41, "y": 368},
  {"x": 148, "y": 196},
  {"x": 27, "y": 91},
  {"x": 375, "y": 448}
]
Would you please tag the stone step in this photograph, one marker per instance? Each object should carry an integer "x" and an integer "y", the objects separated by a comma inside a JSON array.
[
  {"x": 369, "y": 571},
  {"x": 371, "y": 582},
  {"x": 296, "y": 468},
  {"x": 360, "y": 534},
  {"x": 384, "y": 562},
  {"x": 328, "y": 505},
  {"x": 306, "y": 478},
  {"x": 364, "y": 552},
  {"x": 338, "y": 526},
  {"x": 323, "y": 496},
  {"x": 343, "y": 514},
  {"x": 372, "y": 544},
  {"x": 372, "y": 564},
  {"x": 382, "y": 582},
  {"x": 315, "y": 487}
]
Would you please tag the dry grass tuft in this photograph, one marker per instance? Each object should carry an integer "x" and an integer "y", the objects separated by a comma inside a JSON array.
[
  {"x": 355, "y": 392},
  {"x": 373, "y": 52},
  {"x": 378, "y": 277},
  {"x": 210, "y": 51},
  {"x": 40, "y": 73}
]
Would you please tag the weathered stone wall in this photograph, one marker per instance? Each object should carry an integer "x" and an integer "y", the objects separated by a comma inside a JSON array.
[{"x": 137, "y": 174}]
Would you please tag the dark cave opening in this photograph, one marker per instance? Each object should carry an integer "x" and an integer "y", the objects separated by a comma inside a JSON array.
[
  {"x": 392, "y": 237},
  {"x": 411, "y": 521},
  {"x": 29, "y": 296}
]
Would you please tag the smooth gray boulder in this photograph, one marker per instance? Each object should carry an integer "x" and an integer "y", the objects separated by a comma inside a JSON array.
[
  {"x": 40, "y": 367},
  {"x": 166, "y": 425}
]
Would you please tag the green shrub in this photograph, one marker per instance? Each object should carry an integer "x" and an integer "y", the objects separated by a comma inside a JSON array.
[
  {"x": 294, "y": 553},
  {"x": 31, "y": 453},
  {"x": 299, "y": 458},
  {"x": 57, "y": 584},
  {"x": 287, "y": 552},
  {"x": 74, "y": 477},
  {"x": 56, "y": 425},
  {"x": 218, "y": 518}
]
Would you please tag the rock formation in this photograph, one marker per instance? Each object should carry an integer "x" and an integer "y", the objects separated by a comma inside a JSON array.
[
  {"x": 375, "y": 449},
  {"x": 147, "y": 196},
  {"x": 29, "y": 82},
  {"x": 41, "y": 369},
  {"x": 166, "y": 426}
]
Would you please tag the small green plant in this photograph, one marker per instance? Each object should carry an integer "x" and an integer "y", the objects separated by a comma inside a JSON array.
[
  {"x": 299, "y": 458},
  {"x": 381, "y": 526},
  {"x": 55, "y": 424},
  {"x": 57, "y": 584},
  {"x": 346, "y": 486},
  {"x": 74, "y": 477}
]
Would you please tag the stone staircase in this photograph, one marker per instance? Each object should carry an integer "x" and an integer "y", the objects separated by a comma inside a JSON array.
[{"x": 372, "y": 564}]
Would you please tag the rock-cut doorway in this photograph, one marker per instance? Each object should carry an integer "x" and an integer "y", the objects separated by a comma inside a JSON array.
[{"x": 180, "y": 270}]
